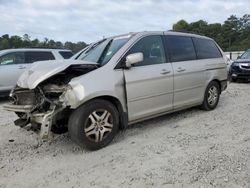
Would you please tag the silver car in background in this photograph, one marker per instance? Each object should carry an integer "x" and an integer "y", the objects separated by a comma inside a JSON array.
[
  {"x": 120, "y": 81},
  {"x": 13, "y": 62}
]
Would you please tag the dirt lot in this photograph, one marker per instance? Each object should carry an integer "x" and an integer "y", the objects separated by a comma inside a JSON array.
[{"x": 191, "y": 148}]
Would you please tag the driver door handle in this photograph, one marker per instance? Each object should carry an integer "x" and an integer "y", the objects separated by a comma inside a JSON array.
[
  {"x": 164, "y": 71},
  {"x": 21, "y": 67}
]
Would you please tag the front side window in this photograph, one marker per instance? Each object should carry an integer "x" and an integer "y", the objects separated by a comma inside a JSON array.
[
  {"x": 152, "y": 49},
  {"x": 206, "y": 49},
  {"x": 33, "y": 56},
  {"x": 181, "y": 48},
  {"x": 12, "y": 58}
]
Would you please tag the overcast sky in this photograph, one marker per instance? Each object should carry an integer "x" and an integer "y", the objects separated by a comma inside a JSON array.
[{"x": 90, "y": 20}]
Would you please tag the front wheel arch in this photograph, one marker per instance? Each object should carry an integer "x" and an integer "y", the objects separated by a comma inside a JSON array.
[
  {"x": 80, "y": 118},
  {"x": 123, "y": 115}
]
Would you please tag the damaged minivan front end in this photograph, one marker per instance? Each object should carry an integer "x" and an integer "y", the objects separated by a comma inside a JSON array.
[{"x": 43, "y": 96}]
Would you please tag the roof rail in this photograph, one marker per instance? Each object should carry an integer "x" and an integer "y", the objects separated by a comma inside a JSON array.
[{"x": 185, "y": 31}]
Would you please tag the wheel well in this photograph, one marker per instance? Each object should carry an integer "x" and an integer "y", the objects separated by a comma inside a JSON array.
[
  {"x": 123, "y": 116},
  {"x": 219, "y": 83}
]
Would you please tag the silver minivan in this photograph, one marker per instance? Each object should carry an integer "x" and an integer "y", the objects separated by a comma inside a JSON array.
[
  {"x": 118, "y": 81},
  {"x": 13, "y": 62}
]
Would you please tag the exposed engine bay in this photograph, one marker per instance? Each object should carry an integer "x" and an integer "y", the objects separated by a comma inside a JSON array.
[{"x": 41, "y": 107}]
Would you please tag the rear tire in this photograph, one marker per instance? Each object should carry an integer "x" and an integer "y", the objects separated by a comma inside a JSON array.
[
  {"x": 211, "y": 97},
  {"x": 94, "y": 124}
]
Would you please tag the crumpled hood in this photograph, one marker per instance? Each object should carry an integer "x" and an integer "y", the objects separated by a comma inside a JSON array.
[{"x": 42, "y": 70}]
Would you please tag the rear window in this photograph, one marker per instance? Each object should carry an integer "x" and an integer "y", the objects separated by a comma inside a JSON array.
[
  {"x": 181, "y": 48},
  {"x": 31, "y": 57},
  {"x": 206, "y": 49},
  {"x": 66, "y": 54}
]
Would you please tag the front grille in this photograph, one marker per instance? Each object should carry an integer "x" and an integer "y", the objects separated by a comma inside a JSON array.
[
  {"x": 245, "y": 67},
  {"x": 24, "y": 97}
]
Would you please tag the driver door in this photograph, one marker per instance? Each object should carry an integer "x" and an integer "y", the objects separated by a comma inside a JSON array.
[{"x": 149, "y": 84}]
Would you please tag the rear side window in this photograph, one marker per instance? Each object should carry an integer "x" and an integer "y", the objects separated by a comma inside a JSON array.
[
  {"x": 181, "y": 48},
  {"x": 206, "y": 49},
  {"x": 66, "y": 54},
  {"x": 31, "y": 57}
]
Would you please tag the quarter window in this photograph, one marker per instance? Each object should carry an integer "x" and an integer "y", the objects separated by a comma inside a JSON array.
[
  {"x": 31, "y": 57},
  {"x": 206, "y": 49},
  {"x": 181, "y": 48},
  {"x": 152, "y": 49},
  {"x": 12, "y": 58},
  {"x": 66, "y": 54}
]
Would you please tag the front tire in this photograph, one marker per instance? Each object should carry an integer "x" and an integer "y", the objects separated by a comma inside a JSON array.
[
  {"x": 212, "y": 96},
  {"x": 94, "y": 124}
]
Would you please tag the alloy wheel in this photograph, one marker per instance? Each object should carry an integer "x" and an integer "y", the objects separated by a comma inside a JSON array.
[
  {"x": 212, "y": 95},
  {"x": 98, "y": 125}
]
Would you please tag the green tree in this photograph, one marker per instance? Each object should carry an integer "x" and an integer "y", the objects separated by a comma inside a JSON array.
[
  {"x": 15, "y": 42},
  {"x": 233, "y": 34},
  {"x": 181, "y": 25}
]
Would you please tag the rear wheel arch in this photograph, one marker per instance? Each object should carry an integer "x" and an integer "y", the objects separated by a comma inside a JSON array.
[
  {"x": 218, "y": 82},
  {"x": 216, "y": 85}
]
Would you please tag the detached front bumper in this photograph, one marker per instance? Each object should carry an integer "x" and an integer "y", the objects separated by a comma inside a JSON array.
[
  {"x": 18, "y": 108},
  {"x": 42, "y": 121}
]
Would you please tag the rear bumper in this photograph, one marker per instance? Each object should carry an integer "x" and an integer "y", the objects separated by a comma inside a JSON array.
[
  {"x": 223, "y": 85},
  {"x": 240, "y": 76}
]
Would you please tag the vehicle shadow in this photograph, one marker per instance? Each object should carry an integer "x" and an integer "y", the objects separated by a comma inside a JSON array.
[
  {"x": 66, "y": 145},
  {"x": 170, "y": 120}
]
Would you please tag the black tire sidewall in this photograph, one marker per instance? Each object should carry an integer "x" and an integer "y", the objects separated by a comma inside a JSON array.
[
  {"x": 205, "y": 104},
  {"x": 79, "y": 117}
]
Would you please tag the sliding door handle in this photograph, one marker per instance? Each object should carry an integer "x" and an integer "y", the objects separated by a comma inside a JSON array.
[{"x": 181, "y": 69}]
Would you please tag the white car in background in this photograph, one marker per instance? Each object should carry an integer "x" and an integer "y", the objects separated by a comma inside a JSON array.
[{"x": 13, "y": 62}]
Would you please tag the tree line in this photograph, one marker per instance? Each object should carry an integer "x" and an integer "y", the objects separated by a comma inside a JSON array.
[
  {"x": 232, "y": 35},
  {"x": 7, "y": 42}
]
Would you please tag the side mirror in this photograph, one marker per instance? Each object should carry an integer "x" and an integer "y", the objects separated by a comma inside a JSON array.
[{"x": 133, "y": 59}]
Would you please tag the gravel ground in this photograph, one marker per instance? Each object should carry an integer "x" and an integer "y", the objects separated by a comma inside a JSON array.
[{"x": 192, "y": 148}]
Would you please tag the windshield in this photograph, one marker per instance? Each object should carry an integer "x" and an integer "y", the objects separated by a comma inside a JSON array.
[
  {"x": 102, "y": 51},
  {"x": 246, "y": 55},
  {"x": 80, "y": 52}
]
